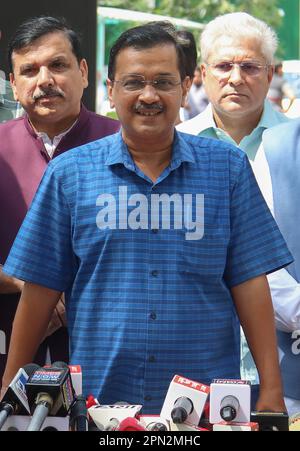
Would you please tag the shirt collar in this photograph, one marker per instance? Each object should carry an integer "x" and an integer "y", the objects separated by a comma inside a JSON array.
[
  {"x": 51, "y": 144},
  {"x": 79, "y": 123},
  {"x": 268, "y": 117},
  {"x": 266, "y": 120},
  {"x": 56, "y": 138},
  {"x": 181, "y": 151},
  {"x": 205, "y": 120},
  {"x": 119, "y": 154}
]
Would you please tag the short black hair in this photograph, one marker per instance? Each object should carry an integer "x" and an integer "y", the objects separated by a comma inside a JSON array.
[
  {"x": 145, "y": 37},
  {"x": 36, "y": 27},
  {"x": 166, "y": 25},
  {"x": 187, "y": 41}
]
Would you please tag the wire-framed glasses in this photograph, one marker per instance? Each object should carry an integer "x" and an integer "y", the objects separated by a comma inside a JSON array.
[
  {"x": 137, "y": 83},
  {"x": 223, "y": 69}
]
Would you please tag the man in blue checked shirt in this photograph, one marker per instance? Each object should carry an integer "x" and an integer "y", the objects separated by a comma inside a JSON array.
[{"x": 160, "y": 240}]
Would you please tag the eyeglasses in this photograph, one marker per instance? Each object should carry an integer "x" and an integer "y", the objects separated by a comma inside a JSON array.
[
  {"x": 224, "y": 69},
  {"x": 137, "y": 83}
]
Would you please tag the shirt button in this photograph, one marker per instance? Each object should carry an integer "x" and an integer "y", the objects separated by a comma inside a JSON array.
[
  {"x": 154, "y": 273},
  {"x": 152, "y": 358},
  {"x": 148, "y": 398},
  {"x": 152, "y": 315}
]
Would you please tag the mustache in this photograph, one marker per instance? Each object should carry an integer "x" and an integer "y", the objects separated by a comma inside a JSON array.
[
  {"x": 145, "y": 106},
  {"x": 47, "y": 92}
]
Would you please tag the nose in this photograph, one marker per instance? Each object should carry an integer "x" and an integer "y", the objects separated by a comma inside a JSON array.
[
  {"x": 235, "y": 76},
  {"x": 45, "y": 77},
  {"x": 149, "y": 94}
]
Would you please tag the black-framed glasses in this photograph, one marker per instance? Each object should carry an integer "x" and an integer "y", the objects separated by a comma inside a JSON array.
[
  {"x": 249, "y": 68},
  {"x": 137, "y": 83}
]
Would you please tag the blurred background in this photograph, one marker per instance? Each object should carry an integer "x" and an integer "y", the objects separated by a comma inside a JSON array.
[{"x": 102, "y": 21}]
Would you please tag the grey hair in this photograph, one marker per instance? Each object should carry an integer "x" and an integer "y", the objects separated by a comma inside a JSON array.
[{"x": 239, "y": 25}]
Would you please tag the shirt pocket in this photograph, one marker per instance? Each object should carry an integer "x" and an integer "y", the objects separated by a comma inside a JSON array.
[{"x": 205, "y": 257}]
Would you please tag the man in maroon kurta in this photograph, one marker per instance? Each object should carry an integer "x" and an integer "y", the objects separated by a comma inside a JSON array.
[{"x": 48, "y": 77}]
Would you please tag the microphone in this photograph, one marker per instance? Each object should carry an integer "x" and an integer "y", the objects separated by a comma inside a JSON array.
[
  {"x": 15, "y": 400},
  {"x": 229, "y": 408},
  {"x": 112, "y": 425},
  {"x": 78, "y": 414},
  {"x": 157, "y": 427},
  {"x": 183, "y": 407},
  {"x": 229, "y": 401},
  {"x": 185, "y": 401},
  {"x": 153, "y": 423},
  {"x": 109, "y": 417},
  {"x": 49, "y": 391}
]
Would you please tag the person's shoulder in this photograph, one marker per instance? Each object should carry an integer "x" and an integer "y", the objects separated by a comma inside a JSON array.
[
  {"x": 193, "y": 140},
  {"x": 216, "y": 157},
  {"x": 108, "y": 122},
  {"x": 211, "y": 145},
  {"x": 282, "y": 141},
  {"x": 291, "y": 125},
  {"x": 12, "y": 133},
  {"x": 85, "y": 153},
  {"x": 283, "y": 130},
  {"x": 11, "y": 124}
]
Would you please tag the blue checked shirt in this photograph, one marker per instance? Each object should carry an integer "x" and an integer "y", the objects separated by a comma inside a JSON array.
[{"x": 148, "y": 298}]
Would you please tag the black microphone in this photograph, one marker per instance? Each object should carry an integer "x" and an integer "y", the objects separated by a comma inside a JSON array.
[
  {"x": 184, "y": 402},
  {"x": 156, "y": 427},
  {"x": 182, "y": 408},
  {"x": 78, "y": 414},
  {"x": 229, "y": 408},
  {"x": 50, "y": 392},
  {"x": 15, "y": 399}
]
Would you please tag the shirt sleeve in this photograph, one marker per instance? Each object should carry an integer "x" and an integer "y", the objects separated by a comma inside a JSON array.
[
  {"x": 42, "y": 252},
  {"x": 285, "y": 293},
  {"x": 256, "y": 245}
]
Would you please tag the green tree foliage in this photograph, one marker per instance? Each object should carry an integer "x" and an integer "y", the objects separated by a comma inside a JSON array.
[{"x": 203, "y": 10}]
